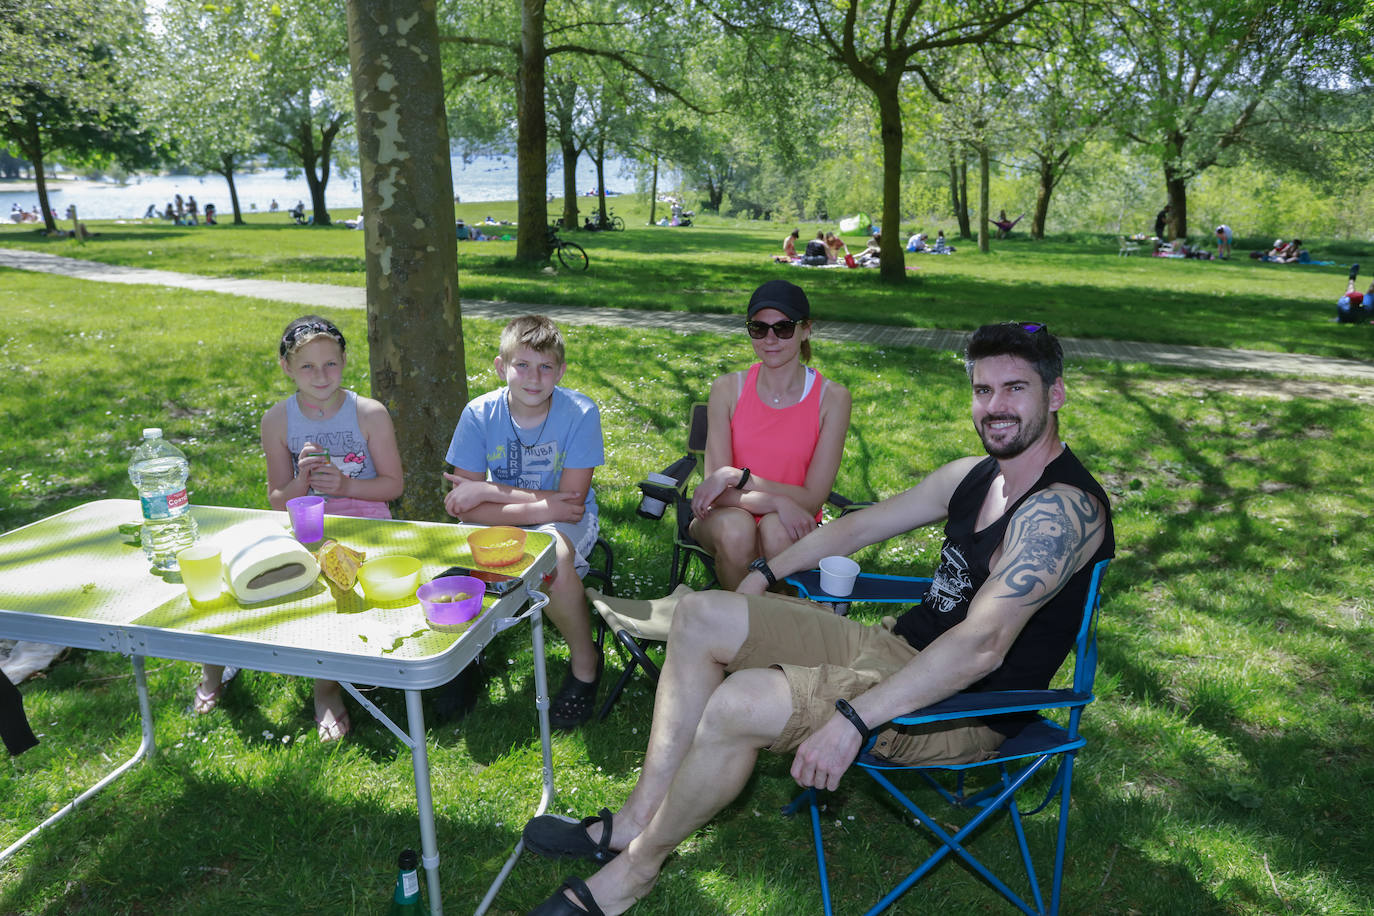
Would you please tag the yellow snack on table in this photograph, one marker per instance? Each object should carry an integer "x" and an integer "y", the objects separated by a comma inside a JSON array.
[{"x": 339, "y": 563}]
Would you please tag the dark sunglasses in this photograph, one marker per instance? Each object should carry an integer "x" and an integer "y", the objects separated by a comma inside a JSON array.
[
  {"x": 783, "y": 329},
  {"x": 1032, "y": 328}
]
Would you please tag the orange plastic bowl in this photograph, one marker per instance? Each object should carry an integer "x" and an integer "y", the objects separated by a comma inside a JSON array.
[{"x": 501, "y": 545}]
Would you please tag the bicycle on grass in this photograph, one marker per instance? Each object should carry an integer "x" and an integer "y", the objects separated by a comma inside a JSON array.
[{"x": 570, "y": 254}]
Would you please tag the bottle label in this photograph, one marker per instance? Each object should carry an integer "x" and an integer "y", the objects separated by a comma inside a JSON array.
[
  {"x": 410, "y": 883},
  {"x": 164, "y": 505}
]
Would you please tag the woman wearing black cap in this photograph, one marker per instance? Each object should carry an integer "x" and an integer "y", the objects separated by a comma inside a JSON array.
[{"x": 774, "y": 440}]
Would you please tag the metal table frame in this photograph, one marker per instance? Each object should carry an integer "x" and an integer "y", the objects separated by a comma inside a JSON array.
[{"x": 111, "y": 626}]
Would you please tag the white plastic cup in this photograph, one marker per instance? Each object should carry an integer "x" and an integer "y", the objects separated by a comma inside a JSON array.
[
  {"x": 651, "y": 507},
  {"x": 838, "y": 575}
]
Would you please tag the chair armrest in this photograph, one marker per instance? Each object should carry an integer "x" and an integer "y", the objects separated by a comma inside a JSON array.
[
  {"x": 975, "y": 704},
  {"x": 867, "y": 587}
]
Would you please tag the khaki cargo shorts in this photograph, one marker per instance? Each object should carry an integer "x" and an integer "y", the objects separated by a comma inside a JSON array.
[{"x": 825, "y": 657}]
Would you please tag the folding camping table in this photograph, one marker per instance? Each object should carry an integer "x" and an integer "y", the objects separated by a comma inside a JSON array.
[{"x": 74, "y": 579}]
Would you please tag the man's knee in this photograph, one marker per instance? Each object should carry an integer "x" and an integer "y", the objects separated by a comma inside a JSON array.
[
  {"x": 708, "y": 616},
  {"x": 753, "y": 704}
]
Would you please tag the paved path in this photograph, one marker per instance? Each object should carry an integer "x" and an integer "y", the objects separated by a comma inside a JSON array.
[{"x": 321, "y": 295}]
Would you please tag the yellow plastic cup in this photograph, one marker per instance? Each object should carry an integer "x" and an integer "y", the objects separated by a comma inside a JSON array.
[{"x": 200, "y": 570}]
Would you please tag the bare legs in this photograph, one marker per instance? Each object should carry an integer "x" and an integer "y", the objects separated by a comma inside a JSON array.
[
  {"x": 705, "y": 737},
  {"x": 735, "y": 540},
  {"x": 567, "y": 608}
]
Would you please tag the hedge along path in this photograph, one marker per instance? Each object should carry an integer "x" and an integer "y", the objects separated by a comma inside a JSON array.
[{"x": 323, "y": 295}]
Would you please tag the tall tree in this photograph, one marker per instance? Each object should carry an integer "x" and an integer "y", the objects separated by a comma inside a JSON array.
[
  {"x": 66, "y": 84},
  {"x": 414, "y": 323},
  {"x": 306, "y": 98},
  {"x": 204, "y": 89},
  {"x": 614, "y": 32},
  {"x": 1199, "y": 75}
]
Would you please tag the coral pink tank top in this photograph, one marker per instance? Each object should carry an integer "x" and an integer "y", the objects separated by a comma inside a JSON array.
[{"x": 776, "y": 443}]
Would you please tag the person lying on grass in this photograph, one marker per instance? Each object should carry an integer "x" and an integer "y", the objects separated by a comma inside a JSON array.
[{"x": 747, "y": 671}]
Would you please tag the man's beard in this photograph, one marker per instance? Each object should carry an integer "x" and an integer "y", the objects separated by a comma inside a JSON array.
[{"x": 1028, "y": 431}]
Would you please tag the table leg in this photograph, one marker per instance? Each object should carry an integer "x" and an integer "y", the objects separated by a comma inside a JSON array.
[
  {"x": 146, "y": 748},
  {"x": 541, "y": 703},
  {"x": 419, "y": 756}
]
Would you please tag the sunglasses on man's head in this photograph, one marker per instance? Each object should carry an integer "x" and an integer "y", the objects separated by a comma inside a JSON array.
[
  {"x": 1033, "y": 328},
  {"x": 783, "y": 329}
]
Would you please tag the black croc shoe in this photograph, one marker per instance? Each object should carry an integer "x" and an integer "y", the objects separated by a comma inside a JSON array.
[
  {"x": 560, "y": 905},
  {"x": 554, "y": 837},
  {"x": 573, "y": 705}
]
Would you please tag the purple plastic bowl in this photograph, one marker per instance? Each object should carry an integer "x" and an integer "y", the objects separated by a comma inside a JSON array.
[{"x": 451, "y": 613}]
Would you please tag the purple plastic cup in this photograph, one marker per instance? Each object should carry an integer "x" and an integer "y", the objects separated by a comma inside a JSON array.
[{"x": 307, "y": 518}]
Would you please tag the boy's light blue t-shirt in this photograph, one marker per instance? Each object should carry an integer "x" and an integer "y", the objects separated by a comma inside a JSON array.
[{"x": 485, "y": 442}]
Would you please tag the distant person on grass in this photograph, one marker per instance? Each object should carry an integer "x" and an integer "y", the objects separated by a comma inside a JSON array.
[
  {"x": 327, "y": 441},
  {"x": 817, "y": 253},
  {"x": 524, "y": 455},
  {"x": 747, "y": 671},
  {"x": 774, "y": 440},
  {"x": 1355, "y": 307},
  {"x": 1223, "y": 235},
  {"x": 789, "y": 244}
]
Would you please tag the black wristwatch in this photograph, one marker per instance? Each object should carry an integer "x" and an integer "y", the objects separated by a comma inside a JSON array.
[
  {"x": 743, "y": 479},
  {"x": 854, "y": 719},
  {"x": 761, "y": 565}
]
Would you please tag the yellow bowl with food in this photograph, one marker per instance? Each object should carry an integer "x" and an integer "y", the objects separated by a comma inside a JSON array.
[
  {"x": 500, "y": 545},
  {"x": 389, "y": 578}
]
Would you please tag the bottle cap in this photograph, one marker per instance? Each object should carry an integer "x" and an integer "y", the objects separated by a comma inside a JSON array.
[
  {"x": 152, "y": 432},
  {"x": 409, "y": 860}
]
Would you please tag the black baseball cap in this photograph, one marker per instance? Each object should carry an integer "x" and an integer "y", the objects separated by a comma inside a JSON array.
[{"x": 787, "y": 298}]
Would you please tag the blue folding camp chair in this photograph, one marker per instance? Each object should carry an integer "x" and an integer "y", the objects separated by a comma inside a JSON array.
[{"x": 1019, "y": 758}]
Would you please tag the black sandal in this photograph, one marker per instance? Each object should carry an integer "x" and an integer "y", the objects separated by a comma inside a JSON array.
[
  {"x": 573, "y": 705},
  {"x": 560, "y": 905},
  {"x": 554, "y": 837}
]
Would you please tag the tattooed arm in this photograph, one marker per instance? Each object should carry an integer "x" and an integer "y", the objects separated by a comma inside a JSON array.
[{"x": 1051, "y": 536}]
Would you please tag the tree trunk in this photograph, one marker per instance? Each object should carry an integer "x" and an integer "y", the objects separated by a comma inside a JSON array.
[
  {"x": 569, "y": 147},
  {"x": 961, "y": 212},
  {"x": 600, "y": 162},
  {"x": 1042, "y": 199},
  {"x": 414, "y": 323},
  {"x": 531, "y": 139},
  {"x": 892, "y": 255},
  {"x": 1178, "y": 205},
  {"x": 226, "y": 169},
  {"x": 953, "y": 182},
  {"x": 653, "y": 195},
  {"x": 983, "y": 184},
  {"x": 33, "y": 151}
]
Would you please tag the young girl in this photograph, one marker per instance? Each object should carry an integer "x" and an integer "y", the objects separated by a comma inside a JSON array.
[{"x": 330, "y": 441}]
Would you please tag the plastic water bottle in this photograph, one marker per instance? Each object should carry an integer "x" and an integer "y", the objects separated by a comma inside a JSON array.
[
  {"x": 406, "y": 899},
  {"x": 159, "y": 470}
]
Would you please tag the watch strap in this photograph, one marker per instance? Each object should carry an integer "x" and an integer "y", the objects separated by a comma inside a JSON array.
[
  {"x": 854, "y": 719},
  {"x": 761, "y": 565}
]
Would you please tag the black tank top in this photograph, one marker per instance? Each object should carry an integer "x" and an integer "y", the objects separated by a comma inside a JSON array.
[{"x": 1048, "y": 636}]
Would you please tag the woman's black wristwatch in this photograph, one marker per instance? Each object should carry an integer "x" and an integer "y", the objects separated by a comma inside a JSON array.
[
  {"x": 854, "y": 719},
  {"x": 761, "y": 565},
  {"x": 743, "y": 479}
]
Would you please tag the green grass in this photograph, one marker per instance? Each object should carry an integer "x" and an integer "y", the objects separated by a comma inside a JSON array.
[
  {"x": 1228, "y": 769},
  {"x": 1077, "y": 284}
]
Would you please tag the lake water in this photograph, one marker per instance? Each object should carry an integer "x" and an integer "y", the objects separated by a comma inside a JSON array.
[{"x": 478, "y": 179}]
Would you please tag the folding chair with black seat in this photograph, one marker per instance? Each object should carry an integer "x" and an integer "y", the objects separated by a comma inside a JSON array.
[
  {"x": 669, "y": 487},
  {"x": 1020, "y": 757}
]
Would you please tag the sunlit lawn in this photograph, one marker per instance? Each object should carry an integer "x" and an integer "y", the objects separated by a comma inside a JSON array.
[
  {"x": 1229, "y": 765},
  {"x": 1079, "y": 286}
]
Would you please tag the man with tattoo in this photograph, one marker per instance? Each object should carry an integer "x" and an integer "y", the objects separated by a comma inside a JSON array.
[{"x": 1023, "y": 529}]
